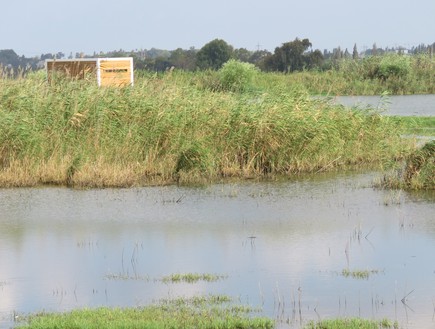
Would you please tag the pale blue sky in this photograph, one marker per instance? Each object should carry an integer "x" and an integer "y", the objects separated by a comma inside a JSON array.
[{"x": 32, "y": 27}]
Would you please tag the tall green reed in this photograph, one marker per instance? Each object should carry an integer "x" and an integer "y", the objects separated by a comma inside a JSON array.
[
  {"x": 395, "y": 74},
  {"x": 171, "y": 127}
]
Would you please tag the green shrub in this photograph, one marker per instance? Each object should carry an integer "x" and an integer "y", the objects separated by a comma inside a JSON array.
[
  {"x": 236, "y": 75},
  {"x": 394, "y": 66},
  {"x": 370, "y": 67}
]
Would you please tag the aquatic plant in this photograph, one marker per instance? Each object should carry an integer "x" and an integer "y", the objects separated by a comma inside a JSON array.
[
  {"x": 352, "y": 323},
  {"x": 198, "y": 312},
  {"x": 393, "y": 197},
  {"x": 125, "y": 277},
  {"x": 358, "y": 274},
  {"x": 192, "y": 277}
]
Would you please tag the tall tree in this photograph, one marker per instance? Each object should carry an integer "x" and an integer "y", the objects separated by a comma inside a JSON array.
[
  {"x": 315, "y": 59},
  {"x": 183, "y": 59},
  {"x": 355, "y": 52},
  {"x": 8, "y": 57},
  {"x": 258, "y": 56},
  {"x": 214, "y": 54},
  {"x": 242, "y": 54},
  {"x": 337, "y": 53},
  {"x": 291, "y": 56},
  {"x": 374, "y": 50}
]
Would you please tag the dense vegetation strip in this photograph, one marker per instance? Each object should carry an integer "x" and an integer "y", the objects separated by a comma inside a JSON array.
[
  {"x": 421, "y": 126},
  {"x": 417, "y": 172},
  {"x": 178, "y": 127},
  {"x": 352, "y": 323},
  {"x": 198, "y": 312},
  {"x": 192, "y": 277},
  {"x": 392, "y": 73},
  {"x": 373, "y": 71}
]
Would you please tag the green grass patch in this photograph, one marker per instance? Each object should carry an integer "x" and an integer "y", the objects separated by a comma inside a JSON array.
[
  {"x": 358, "y": 274},
  {"x": 192, "y": 277},
  {"x": 199, "y": 312},
  {"x": 125, "y": 277},
  {"x": 352, "y": 323},
  {"x": 422, "y": 126},
  {"x": 173, "y": 278}
]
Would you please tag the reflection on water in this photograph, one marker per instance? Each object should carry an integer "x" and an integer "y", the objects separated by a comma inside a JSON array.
[
  {"x": 282, "y": 244},
  {"x": 406, "y": 105}
]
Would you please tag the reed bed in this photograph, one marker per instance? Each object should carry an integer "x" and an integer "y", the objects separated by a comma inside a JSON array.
[
  {"x": 394, "y": 74},
  {"x": 420, "y": 126},
  {"x": 417, "y": 172},
  {"x": 175, "y": 128}
]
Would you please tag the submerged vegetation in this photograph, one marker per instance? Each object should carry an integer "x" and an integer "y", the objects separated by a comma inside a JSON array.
[
  {"x": 353, "y": 323},
  {"x": 192, "y": 277},
  {"x": 358, "y": 274},
  {"x": 176, "y": 127},
  {"x": 198, "y": 312}
]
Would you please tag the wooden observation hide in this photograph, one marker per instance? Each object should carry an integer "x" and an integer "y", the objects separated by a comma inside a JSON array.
[{"x": 107, "y": 71}]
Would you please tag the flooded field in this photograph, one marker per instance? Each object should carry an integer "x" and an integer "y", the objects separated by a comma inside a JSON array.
[{"x": 306, "y": 249}]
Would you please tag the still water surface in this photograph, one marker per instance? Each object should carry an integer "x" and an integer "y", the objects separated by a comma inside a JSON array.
[
  {"x": 406, "y": 105},
  {"x": 282, "y": 245}
]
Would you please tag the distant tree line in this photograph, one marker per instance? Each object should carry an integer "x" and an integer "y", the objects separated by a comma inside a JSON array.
[{"x": 296, "y": 55}]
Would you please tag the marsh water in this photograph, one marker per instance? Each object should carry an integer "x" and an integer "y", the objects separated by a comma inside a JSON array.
[
  {"x": 280, "y": 246},
  {"x": 406, "y": 105}
]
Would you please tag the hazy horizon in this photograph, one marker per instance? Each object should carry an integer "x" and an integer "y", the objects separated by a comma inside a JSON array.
[{"x": 48, "y": 26}]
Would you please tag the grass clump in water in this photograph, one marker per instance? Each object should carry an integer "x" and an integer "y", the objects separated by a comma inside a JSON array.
[
  {"x": 192, "y": 277},
  {"x": 358, "y": 274},
  {"x": 353, "y": 323},
  {"x": 199, "y": 312}
]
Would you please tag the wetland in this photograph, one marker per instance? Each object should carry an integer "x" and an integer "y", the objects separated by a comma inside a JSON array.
[
  {"x": 283, "y": 246},
  {"x": 265, "y": 198}
]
